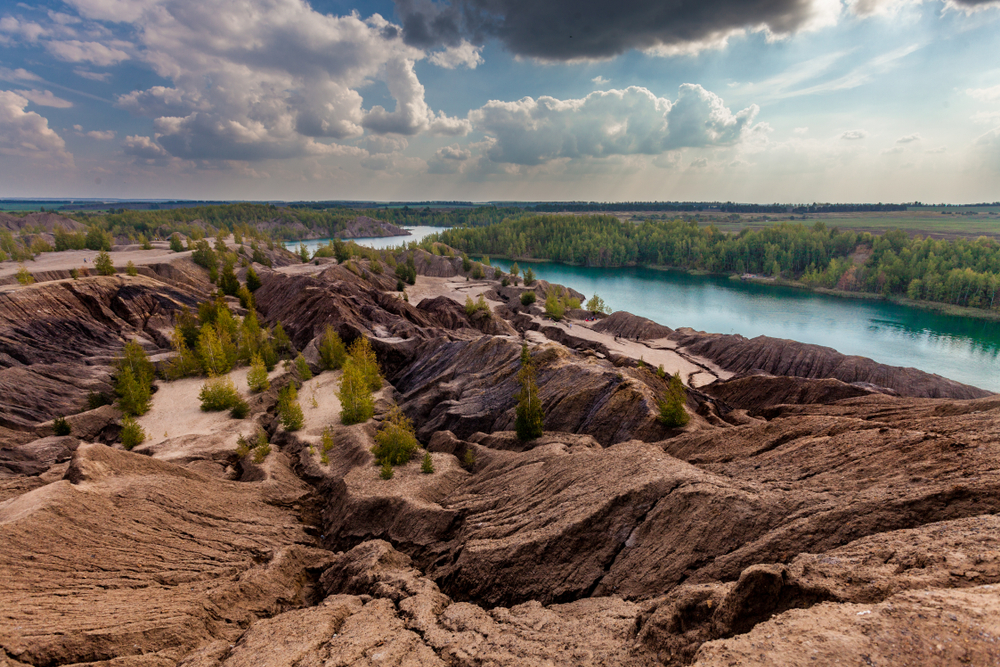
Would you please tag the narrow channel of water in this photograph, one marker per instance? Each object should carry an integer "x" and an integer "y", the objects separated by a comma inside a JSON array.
[{"x": 960, "y": 348}]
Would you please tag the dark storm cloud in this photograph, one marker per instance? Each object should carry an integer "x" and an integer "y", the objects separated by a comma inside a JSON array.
[{"x": 568, "y": 29}]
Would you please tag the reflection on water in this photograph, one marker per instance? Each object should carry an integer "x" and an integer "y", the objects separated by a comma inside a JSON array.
[
  {"x": 416, "y": 233},
  {"x": 964, "y": 349}
]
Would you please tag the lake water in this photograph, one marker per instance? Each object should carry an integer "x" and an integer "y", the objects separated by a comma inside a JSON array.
[
  {"x": 416, "y": 233},
  {"x": 963, "y": 349}
]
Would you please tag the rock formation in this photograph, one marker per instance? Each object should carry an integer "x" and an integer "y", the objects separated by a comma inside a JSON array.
[{"x": 817, "y": 509}]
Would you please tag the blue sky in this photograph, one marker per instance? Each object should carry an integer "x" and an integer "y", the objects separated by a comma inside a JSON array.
[{"x": 746, "y": 100}]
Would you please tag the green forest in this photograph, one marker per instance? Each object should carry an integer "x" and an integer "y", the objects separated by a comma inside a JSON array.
[{"x": 962, "y": 272}]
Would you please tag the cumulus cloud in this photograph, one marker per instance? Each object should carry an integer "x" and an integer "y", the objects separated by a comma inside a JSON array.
[
  {"x": 615, "y": 122},
  {"x": 100, "y": 135},
  {"x": 44, "y": 98},
  {"x": 280, "y": 81},
  {"x": 143, "y": 147},
  {"x": 909, "y": 139},
  {"x": 600, "y": 80},
  {"x": 75, "y": 51},
  {"x": 854, "y": 135},
  {"x": 463, "y": 54},
  {"x": 27, "y": 30},
  {"x": 25, "y": 134},
  {"x": 569, "y": 29},
  {"x": 18, "y": 75}
]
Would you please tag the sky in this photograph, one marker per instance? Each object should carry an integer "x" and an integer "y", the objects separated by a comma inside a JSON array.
[{"x": 762, "y": 101}]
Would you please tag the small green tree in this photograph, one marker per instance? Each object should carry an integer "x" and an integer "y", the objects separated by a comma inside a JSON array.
[
  {"x": 514, "y": 270},
  {"x": 24, "y": 277},
  {"x": 554, "y": 308},
  {"x": 363, "y": 355},
  {"x": 466, "y": 263},
  {"x": 103, "y": 264},
  {"x": 427, "y": 464},
  {"x": 302, "y": 368},
  {"x": 529, "y": 276},
  {"x": 386, "y": 472},
  {"x": 61, "y": 427},
  {"x": 303, "y": 253},
  {"x": 596, "y": 305},
  {"x": 217, "y": 394},
  {"x": 131, "y": 269},
  {"x": 356, "y": 402},
  {"x": 282, "y": 344},
  {"x": 671, "y": 405},
  {"x": 253, "y": 280},
  {"x": 212, "y": 353},
  {"x": 134, "y": 380},
  {"x": 396, "y": 441},
  {"x": 529, "y": 417},
  {"x": 257, "y": 375},
  {"x": 289, "y": 410},
  {"x": 331, "y": 350},
  {"x": 132, "y": 433},
  {"x": 175, "y": 243},
  {"x": 229, "y": 283},
  {"x": 527, "y": 298}
]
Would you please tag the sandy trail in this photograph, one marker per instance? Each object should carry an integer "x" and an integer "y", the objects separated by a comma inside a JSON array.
[{"x": 695, "y": 371}]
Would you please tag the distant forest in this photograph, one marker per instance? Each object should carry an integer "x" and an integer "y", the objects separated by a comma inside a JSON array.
[{"x": 962, "y": 272}]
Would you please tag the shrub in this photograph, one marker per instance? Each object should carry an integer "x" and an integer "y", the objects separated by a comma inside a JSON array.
[
  {"x": 466, "y": 264},
  {"x": 228, "y": 283},
  {"x": 144, "y": 242},
  {"x": 103, "y": 264},
  {"x": 24, "y": 277},
  {"x": 327, "y": 439},
  {"x": 130, "y": 269},
  {"x": 376, "y": 267},
  {"x": 261, "y": 452},
  {"x": 528, "y": 421},
  {"x": 427, "y": 464},
  {"x": 573, "y": 303},
  {"x": 469, "y": 459},
  {"x": 245, "y": 297},
  {"x": 240, "y": 409},
  {"x": 74, "y": 274},
  {"x": 134, "y": 380},
  {"x": 213, "y": 353},
  {"x": 218, "y": 393},
  {"x": 331, "y": 350},
  {"x": 477, "y": 272},
  {"x": 529, "y": 276},
  {"x": 253, "y": 280},
  {"x": 364, "y": 356},
  {"x": 175, "y": 243},
  {"x": 257, "y": 375},
  {"x": 554, "y": 307},
  {"x": 356, "y": 401},
  {"x": 61, "y": 427},
  {"x": 471, "y": 308},
  {"x": 396, "y": 441},
  {"x": 282, "y": 343},
  {"x": 671, "y": 405},
  {"x": 132, "y": 434},
  {"x": 97, "y": 399},
  {"x": 302, "y": 367},
  {"x": 596, "y": 305},
  {"x": 289, "y": 410},
  {"x": 527, "y": 298},
  {"x": 386, "y": 471}
]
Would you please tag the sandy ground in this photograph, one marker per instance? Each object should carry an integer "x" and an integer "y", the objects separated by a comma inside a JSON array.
[
  {"x": 178, "y": 430},
  {"x": 695, "y": 371}
]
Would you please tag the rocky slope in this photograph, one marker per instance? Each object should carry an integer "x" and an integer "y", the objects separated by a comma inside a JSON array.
[{"x": 808, "y": 518}]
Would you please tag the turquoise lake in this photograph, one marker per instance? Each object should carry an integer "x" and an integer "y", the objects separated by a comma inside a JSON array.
[{"x": 963, "y": 349}]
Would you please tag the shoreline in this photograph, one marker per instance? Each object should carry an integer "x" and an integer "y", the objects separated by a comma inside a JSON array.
[{"x": 933, "y": 306}]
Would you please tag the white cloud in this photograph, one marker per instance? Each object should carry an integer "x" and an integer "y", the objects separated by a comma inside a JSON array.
[
  {"x": 800, "y": 131},
  {"x": 700, "y": 163},
  {"x": 143, "y": 147},
  {"x": 600, "y": 80},
  {"x": 985, "y": 94},
  {"x": 464, "y": 54},
  {"x": 615, "y": 122},
  {"x": 987, "y": 117},
  {"x": 75, "y": 51},
  {"x": 895, "y": 150},
  {"x": 28, "y": 30},
  {"x": 18, "y": 75},
  {"x": 101, "y": 135},
  {"x": 854, "y": 135},
  {"x": 45, "y": 98},
  {"x": 910, "y": 138},
  {"x": 93, "y": 76},
  {"x": 454, "y": 152},
  {"x": 278, "y": 81},
  {"x": 25, "y": 134}
]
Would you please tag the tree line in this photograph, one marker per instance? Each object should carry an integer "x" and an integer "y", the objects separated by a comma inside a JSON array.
[{"x": 963, "y": 272}]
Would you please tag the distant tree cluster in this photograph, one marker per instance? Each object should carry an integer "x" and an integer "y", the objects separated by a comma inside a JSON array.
[{"x": 964, "y": 272}]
